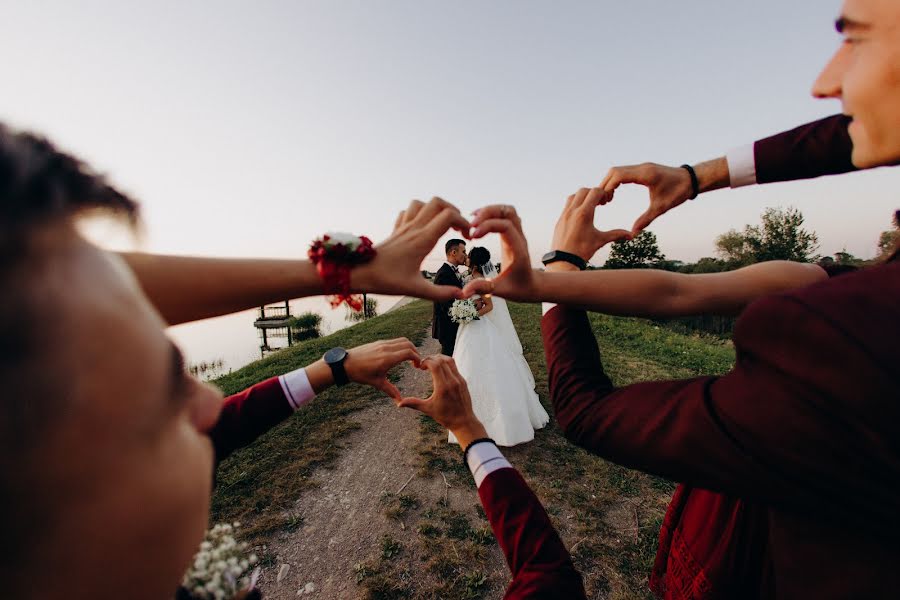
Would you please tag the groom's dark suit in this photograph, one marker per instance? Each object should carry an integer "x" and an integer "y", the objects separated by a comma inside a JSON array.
[{"x": 443, "y": 329}]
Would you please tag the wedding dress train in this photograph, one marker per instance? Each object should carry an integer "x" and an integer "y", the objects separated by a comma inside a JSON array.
[{"x": 489, "y": 356}]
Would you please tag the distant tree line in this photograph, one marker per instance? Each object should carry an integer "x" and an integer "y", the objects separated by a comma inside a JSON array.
[{"x": 779, "y": 236}]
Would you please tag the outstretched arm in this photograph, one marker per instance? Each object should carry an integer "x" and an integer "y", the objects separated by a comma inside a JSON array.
[
  {"x": 188, "y": 288},
  {"x": 639, "y": 292},
  {"x": 819, "y": 148},
  {"x": 248, "y": 414}
]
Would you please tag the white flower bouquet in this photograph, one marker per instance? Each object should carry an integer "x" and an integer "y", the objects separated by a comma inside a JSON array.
[
  {"x": 463, "y": 311},
  {"x": 220, "y": 570}
]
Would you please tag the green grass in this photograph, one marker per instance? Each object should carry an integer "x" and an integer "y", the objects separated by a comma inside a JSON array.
[
  {"x": 608, "y": 516},
  {"x": 259, "y": 484}
]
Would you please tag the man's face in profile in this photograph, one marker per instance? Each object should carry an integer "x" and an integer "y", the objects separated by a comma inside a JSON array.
[
  {"x": 128, "y": 467},
  {"x": 864, "y": 74}
]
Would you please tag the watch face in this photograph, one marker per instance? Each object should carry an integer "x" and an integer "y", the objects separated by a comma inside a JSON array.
[{"x": 335, "y": 355}]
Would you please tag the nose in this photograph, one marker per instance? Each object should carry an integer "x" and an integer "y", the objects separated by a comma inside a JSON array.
[
  {"x": 206, "y": 406},
  {"x": 828, "y": 83}
]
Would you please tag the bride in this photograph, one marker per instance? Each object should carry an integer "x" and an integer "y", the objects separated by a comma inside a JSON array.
[{"x": 489, "y": 356}]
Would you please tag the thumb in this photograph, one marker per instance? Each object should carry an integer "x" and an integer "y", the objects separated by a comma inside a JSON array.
[
  {"x": 388, "y": 388},
  {"x": 478, "y": 286},
  {"x": 614, "y": 235},
  {"x": 642, "y": 222},
  {"x": 414, "y": 403}
]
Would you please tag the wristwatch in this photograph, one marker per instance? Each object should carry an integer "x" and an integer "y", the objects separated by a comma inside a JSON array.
[
  {"x": 560, "y": 255},
  {"x": 335, "y": 358}
]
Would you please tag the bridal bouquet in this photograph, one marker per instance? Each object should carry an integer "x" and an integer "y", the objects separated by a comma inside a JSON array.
[
  {"x": 220, "y": 570},
  {"x": 463, "y": 311}
]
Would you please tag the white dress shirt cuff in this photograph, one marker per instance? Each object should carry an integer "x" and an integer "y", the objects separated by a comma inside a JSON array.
[
  {"x": 484, "y": 458},
  {"x": 741, "y": 166},
  {"x": 297, "y": 388},
  {"x": 547, "y": 307}
]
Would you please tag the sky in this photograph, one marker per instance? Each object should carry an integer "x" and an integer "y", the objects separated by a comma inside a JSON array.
[{"x": 250, "y": 128}]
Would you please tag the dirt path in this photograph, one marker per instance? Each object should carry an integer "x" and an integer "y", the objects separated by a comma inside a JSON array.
[{"x": 344, "y": 522}]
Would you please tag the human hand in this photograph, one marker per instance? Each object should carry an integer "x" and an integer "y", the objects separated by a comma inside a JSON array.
[
  {"x": 369, "y": 364},
  {"x": 396, "y": 269},
  {"x": 516, "y": 280},
  {"x": 668, "y": 187},
  {"x": 575, "y": 232},
  {"x": 449, "y": 404}
]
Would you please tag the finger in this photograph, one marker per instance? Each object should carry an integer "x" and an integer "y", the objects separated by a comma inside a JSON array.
[
  {"x": 580, "y": 196},
  {"x": 478, "y": 286},
  {"x": 400, "y": 220},
  {"x": 405, "y": 354},
  {"x": 614, "y": 235},
  {"x": 622, "y": 175},
  {"x": 414, "y": 403},
  {"x": 388, "y": 388},
  {"x": 642, "y": 222},
  {"x": 422, "y": 288},
  {"x": 596, "y": 197},
  {"x": 449, "y": 218},
  {"x": 496, "y": 211},
  {"x": 415, "y": 206},
  {"x": 505, "y": 228}
]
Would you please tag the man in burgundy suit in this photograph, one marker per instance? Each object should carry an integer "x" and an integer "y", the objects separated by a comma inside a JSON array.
[{"x": 806, "y": 424}]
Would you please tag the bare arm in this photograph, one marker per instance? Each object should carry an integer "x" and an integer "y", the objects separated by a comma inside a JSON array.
[
  {"x": 189, "y": 288},
  {"x": 648, "y": 293},
  {"x": 185, "y": 288},
  {"x": 652, "y": 293}
]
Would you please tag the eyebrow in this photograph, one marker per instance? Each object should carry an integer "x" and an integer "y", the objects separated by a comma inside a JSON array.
[{"x": 844, "y": 23}]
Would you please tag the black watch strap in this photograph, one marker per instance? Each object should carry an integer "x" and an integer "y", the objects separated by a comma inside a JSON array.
[
  {"x": 561, "y": 255},
  {"x": 335, "y": 358}
]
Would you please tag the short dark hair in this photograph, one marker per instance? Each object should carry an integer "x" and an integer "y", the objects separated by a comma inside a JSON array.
[
  {"x": 479, "y": 257},
  {"x": 39, "y": 186},
  {"x": 451, "y": 244}
]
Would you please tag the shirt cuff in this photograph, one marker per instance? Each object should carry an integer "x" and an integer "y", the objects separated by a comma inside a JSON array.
[
  {"x": 484, "y": 458},
  {"x": 741, "y": 166},
  {"x": 547, "y": 307},
  {"x": 297, "y": 388}
]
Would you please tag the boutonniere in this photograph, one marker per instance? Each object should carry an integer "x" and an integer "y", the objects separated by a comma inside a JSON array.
[{"x": 221, "y": 570}]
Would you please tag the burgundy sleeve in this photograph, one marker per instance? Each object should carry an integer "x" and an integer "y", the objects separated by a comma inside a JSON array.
[
  {"x": 792, "y": 423},
  {"x": 247, "y": 415},
  {"x": 540, "y": 564},
  {"x": 819, "y": 148}
]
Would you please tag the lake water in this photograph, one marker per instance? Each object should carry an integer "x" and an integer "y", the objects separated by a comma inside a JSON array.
[{"x": 235, "y": 341}]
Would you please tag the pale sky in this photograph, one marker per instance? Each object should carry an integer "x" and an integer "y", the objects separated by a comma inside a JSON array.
[{"x": 249, "y": 128}]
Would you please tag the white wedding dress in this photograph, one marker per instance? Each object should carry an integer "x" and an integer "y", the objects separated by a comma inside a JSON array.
[{"x": 489, "y": 356}]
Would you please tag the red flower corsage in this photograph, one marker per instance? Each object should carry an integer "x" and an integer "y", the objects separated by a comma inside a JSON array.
[{"x": 335, "y": 255}]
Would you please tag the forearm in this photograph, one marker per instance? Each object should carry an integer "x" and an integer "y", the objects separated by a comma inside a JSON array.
[
  {"x": 187, "y": 288},
  {"x": 712, "y": 174}
]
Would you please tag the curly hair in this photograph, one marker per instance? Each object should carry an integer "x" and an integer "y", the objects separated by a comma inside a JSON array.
[{"x": 479, "y": 256}]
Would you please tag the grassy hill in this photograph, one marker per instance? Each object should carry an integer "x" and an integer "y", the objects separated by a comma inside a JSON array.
[{"x": 608, "y": 516}]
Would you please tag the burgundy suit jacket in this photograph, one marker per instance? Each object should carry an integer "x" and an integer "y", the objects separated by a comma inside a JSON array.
[
  {"x": 807, "y": 424},
  {"x": 540, "y": 564},
  {"x": 822, "y": 147},
  {"x": 247, "y": 415}
]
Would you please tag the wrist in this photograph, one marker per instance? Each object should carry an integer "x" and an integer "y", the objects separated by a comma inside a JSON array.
[
  {"x": 561, "y": 266},
  {"x": 469, "y": 431},
  {"x": 713, "y": 174},
  {"x": 320, "y": 376}
]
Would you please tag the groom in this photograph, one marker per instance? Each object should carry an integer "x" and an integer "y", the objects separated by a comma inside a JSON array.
[{"x": 443, "y": 329}]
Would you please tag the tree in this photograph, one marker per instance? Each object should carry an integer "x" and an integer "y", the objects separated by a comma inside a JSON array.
[
  {"x": 780, "y": 237},
  {"x": 642, "y": 252},
  {"x": 889, "y": 239}
]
